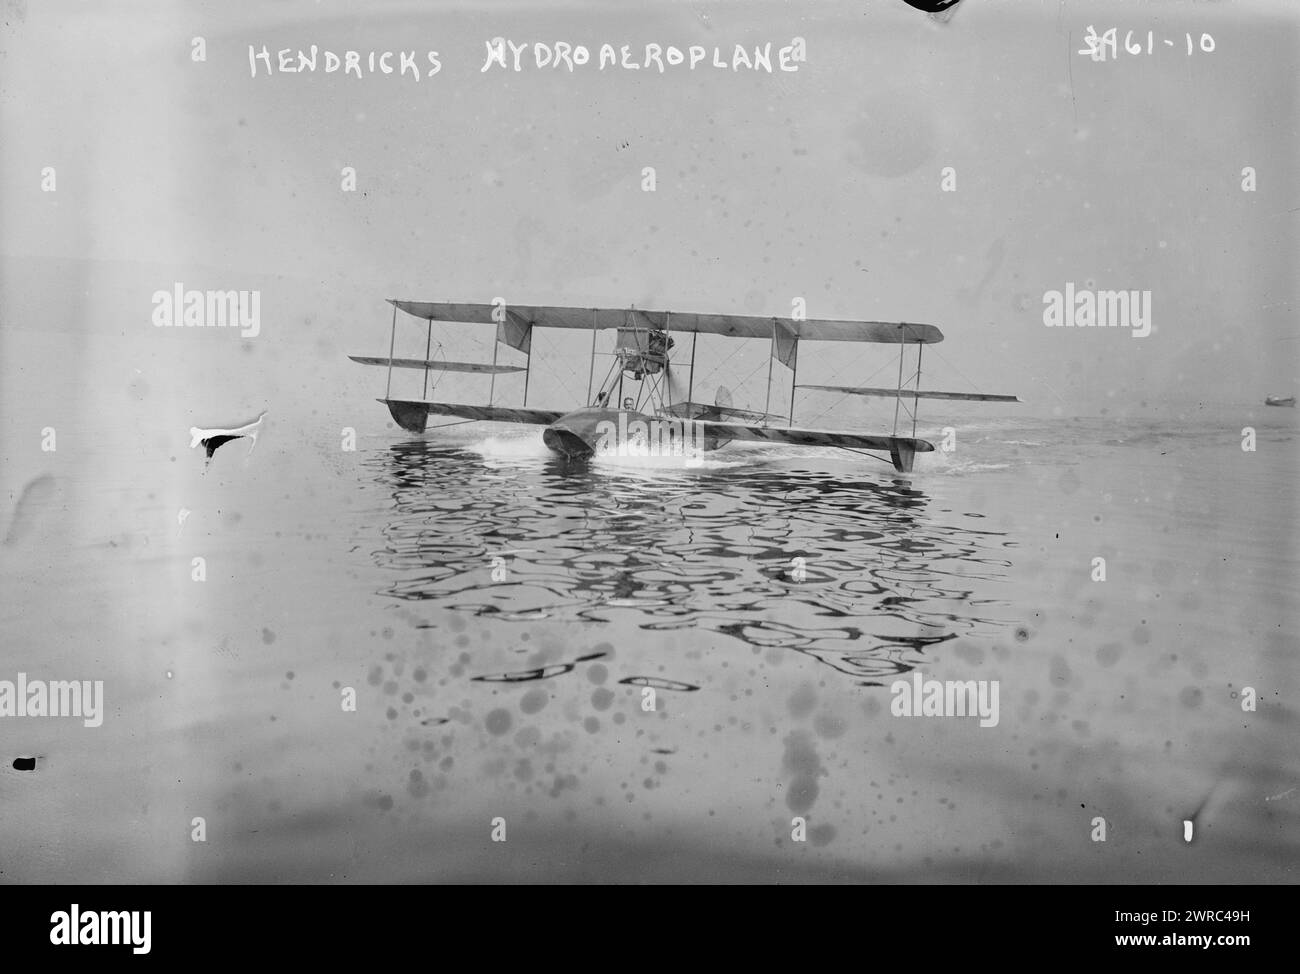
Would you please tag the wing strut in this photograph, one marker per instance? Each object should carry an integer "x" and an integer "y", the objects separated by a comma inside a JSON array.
[
  {"x": 794, "y": 377},
  {"x": 668, "y": 355},
  {"x": 591, "y": 370},
  {"x": 767, "y": 403},
  {"x": 690, "y": 380},
  {"x": 428, "y": 346},
  {"x": 528, "y": 366},
  {"x": 916, "y": 397},
  {"x": 902, "y": 347},
  {"x": 392, "y": 339}
]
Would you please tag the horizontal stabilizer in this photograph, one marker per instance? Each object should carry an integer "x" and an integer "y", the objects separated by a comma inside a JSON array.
[
  {"x": 436, "y": 365},
  {"x": 693, "y": 410},
  {"x": 912, "y": 393}
]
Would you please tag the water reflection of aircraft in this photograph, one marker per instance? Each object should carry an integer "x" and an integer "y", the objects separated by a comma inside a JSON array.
[{"x": 644, "y": 340}]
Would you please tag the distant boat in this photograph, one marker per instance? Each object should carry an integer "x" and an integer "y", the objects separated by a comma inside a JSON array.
[{"x": 1279, "y": 401}]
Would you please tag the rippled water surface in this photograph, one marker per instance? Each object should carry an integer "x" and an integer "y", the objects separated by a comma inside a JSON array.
[
  {"x": 638, "y": 672},
  {"x": 862, "y": 575}
]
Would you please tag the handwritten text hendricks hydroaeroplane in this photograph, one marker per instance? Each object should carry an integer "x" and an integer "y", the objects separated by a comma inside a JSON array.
[{"x": 652, "y": 407}]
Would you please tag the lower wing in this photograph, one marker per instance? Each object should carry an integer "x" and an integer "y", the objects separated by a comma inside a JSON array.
[
  {"x": 810, "y": 437},
  {"x": 498, "y": 414}
]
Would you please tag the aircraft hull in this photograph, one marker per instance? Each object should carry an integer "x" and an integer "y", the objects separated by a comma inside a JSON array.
[
  {"x": 576, "y": 434},
  {"x": 583, "y": 431}
]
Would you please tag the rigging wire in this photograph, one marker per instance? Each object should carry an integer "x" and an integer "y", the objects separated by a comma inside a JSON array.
[
  {"x": 865, "y": 454},
  {"x": 845, "y": 395}
]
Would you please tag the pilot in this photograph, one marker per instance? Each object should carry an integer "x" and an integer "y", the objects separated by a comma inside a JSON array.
[
  {"x": 629, "y": 403},
  {"x": 601, "y": 399}
]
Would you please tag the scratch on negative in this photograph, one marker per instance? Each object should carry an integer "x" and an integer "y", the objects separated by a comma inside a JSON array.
[{"x": 1069, "y": 70}]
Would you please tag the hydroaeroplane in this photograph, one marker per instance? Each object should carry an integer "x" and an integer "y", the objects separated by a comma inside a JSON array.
[{"x": 642, "y": 362}]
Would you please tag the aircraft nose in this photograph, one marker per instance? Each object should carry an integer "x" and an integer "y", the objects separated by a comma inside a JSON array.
[{"x": 565, "y": 442}]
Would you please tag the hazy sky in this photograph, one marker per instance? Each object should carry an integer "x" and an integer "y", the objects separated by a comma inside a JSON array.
[{"x": 822, "y": 184}]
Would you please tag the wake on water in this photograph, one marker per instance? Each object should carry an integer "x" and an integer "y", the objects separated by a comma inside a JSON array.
[
  {"x": 507, "y": 447},
  {"x": 734, "y": 456},
  {"x": 530, "y": 446}
]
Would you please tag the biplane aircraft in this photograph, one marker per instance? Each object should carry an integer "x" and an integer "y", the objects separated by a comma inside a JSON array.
[{"x": 642, "y": 368}]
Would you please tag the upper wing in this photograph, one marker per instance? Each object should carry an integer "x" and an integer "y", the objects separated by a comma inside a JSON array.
[
  {"x": 437, "y": 365},
  {"x": 735, "y": 326}
]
